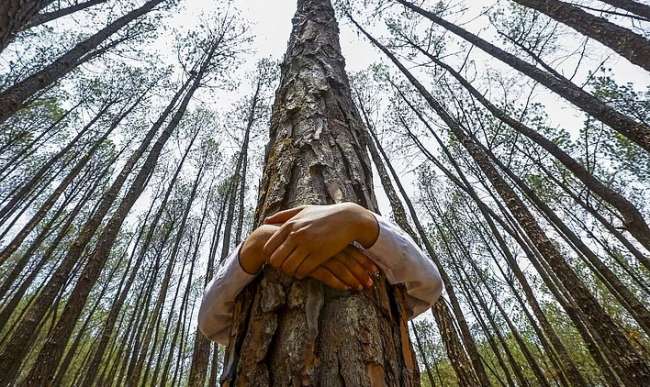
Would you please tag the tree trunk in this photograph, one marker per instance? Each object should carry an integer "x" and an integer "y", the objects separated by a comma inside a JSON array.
[
  {"x": 15, "y": 97},
  {"x": 19, "y": 193},
  {"x": 470, "y": 346},
  {"x": 628, "y": 44},
  {"x": 636, "y": 131},
  {"x": 49, "y": 356},
  {"x": 16, "y": 350},
  {"x": 566, "y": 364},
  {"x": 43, "y": 18},
  {"x": 395, "y": 203},
  {"x": 241, "y": 174},
  {"x": 631, "y": 6},
  {"x": 625, "y": 296},
  {"x": 30, "y": 148},
  {"x": 185, "y": 298},
  {"x": 632, "y": 368},
  {"x": 48, "y": 255},
  {"x": 290, "y": 332},
  {"x": 14, "y": 14},
  {"x": 634, "y": 221},
  {"x": 201, "y": 349},
  {"x": 511, "y": 229},
  {"x": 10, "y": 277},
  {"x": 63, "y": 185},
  {"x": 111, "y": 319}
]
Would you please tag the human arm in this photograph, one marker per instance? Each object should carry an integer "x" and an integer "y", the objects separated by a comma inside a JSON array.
[
  {"x": 241, "y": 267},
  {"x": 403, "y": 262},
  {"x": 316, "y": 232}
]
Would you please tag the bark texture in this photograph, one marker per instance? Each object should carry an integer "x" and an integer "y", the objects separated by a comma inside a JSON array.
[{"x": 290, "y": 332}]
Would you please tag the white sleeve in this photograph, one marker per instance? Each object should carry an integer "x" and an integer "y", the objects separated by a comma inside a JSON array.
[
  {"x": 403, "y": 262},
  {"x": 217, "y": 306}
]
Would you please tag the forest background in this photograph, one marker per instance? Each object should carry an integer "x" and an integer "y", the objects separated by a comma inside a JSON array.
[{"x": 127, "y": 178}]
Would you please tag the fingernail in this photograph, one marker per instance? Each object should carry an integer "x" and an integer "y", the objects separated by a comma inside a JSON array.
[{"x": 369, "y": 282}]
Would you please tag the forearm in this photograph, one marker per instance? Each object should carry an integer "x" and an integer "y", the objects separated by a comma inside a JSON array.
[
  {"x": 215, "y": 313},
  {"x": 403, "y": 262}
]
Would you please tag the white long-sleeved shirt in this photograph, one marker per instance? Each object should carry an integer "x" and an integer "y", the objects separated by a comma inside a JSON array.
[{"x": 394, "y": 252}]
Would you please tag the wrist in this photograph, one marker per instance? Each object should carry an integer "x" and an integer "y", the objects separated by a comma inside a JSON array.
[
  {"x": 365, "y": 225},
  {"x": 249, "y": 258},
  {"x": 251, "y": 254}
]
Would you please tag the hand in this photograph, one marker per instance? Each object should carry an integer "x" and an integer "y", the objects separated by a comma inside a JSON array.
[
  {"x": 311, "y": 235},
  {"x": 349, "y": 269}
]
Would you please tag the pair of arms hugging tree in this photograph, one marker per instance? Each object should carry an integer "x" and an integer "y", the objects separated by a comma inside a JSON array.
[{"x": 341, "y": 245}]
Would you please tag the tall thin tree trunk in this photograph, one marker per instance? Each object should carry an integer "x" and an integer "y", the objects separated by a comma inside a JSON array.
[
  {"x": 461, "y": 365},
  {"x": 15, "y": 97},
  {"x": 624, "y": 295},
  {"x": 43, "y": 18},
  {"x": 111, "y": 319},
  {"x": 244, "y": 160},
  {"x": 636, "y": 131},
  {"x": 423, "y": 355},
  {"x": 55, "y": 344},
  {"x": 634, "y": 221},
  {"x": 14, "y": 14},
  {"x": 31, "y": 147},
  {"x": 635, "y": 7},
  {"x": 628, "y": 44},
  {"x": 631, "y": 366},
  {"x": 20, "y": 192},
  {"x": 63, "y": 185},
  {"x": 201, "y": 349},
  {"x": 18, "y": 347}
]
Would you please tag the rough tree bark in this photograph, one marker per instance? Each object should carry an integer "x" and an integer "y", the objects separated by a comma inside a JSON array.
[{"x": 290, "y": 332}]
